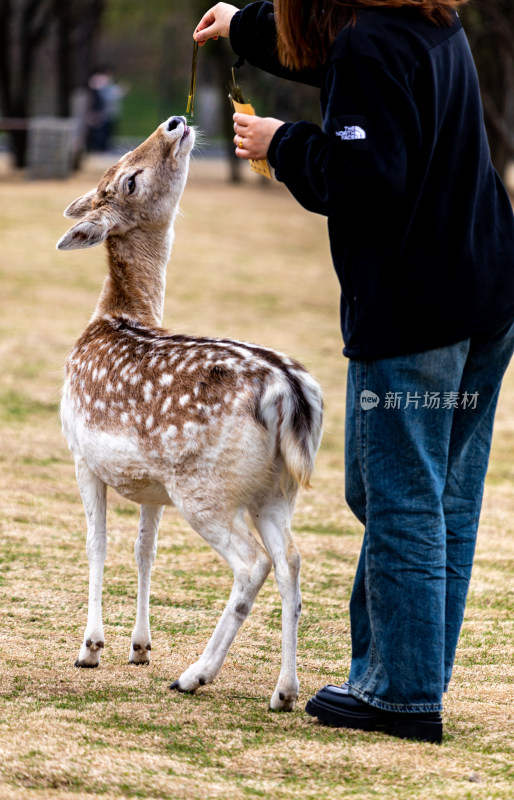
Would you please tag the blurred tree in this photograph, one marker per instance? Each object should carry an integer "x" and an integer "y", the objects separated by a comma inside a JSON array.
[
  {"x": 489, "y": 25},
  {"x": 24, "y": 26}
]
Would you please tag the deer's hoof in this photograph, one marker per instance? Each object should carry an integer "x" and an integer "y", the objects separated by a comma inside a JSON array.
[
  {"x": 89, "y": 656},
  {"x": 140, "y": 653},
  {"x": 283, "y": 700},
  {"x": 175, "y": 686}
]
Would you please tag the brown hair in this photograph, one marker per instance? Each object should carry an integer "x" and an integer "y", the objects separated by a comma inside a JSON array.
[{"x": 307, "y": 28}]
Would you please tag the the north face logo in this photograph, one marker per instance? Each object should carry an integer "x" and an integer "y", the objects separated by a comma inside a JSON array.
[{"x": 351, "y": 132}]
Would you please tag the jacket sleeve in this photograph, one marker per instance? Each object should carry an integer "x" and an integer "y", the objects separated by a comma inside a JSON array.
[
  {"x": 253, "y": 37},
  {"x": 359, "y": 159}
]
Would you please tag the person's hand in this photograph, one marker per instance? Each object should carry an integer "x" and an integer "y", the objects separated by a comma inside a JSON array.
[
  {"x": 254, "y": 135},
  {"x": 215, "y": 23}
]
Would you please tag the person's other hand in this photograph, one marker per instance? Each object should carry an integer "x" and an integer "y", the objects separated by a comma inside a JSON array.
[
  {"x": 254, "y": 135},
  {"x": 215, "y": 23}
]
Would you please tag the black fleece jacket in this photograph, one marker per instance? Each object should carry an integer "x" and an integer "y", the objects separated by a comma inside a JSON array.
[{"x": 421, "y": 227}]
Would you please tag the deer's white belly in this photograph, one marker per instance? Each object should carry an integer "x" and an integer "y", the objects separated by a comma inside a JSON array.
[{"x": 117, "y": 460}]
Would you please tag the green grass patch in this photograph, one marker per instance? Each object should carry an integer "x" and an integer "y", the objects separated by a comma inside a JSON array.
[{"x": 16, "y": 407}]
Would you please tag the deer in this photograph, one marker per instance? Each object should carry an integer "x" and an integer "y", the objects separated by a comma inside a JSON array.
[{"x": 225, "y": 431}]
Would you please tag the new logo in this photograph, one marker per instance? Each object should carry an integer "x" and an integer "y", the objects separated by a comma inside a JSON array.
[{"x": 369, "y": 400}]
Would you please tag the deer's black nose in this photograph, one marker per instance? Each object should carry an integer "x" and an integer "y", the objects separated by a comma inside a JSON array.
[{"x": 174, "y": 122}]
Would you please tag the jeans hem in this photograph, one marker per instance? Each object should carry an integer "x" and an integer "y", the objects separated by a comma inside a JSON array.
[{"x": 411, "y": 708}]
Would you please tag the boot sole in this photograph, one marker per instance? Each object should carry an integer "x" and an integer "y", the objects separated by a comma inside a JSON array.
[
  {"x": 419, "y": 729},
  {"x": 345, "y": 719}
]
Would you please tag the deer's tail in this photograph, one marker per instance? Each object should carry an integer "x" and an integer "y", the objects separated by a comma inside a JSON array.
[{"x": 291, "y": 409}]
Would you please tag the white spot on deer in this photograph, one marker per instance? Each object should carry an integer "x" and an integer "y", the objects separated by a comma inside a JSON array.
[
  {"x": 100, "y": 405},
  {"x": 184, "y": 400},
  {"x": 165, "y": 405},
  {"x": 147, "y": 391},
  {"x": 191, "y": 429},
  {"x": 166, "y": 378},
  {"x": 149, "y": 422}
]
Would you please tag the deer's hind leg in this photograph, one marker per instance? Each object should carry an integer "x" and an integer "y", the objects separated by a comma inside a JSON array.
[
  {"x": 93, "y": 492},
  {"x": 272, "y": 518},
  {"x": 250, "y": 565}
]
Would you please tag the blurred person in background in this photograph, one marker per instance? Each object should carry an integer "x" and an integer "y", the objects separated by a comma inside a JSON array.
[
  {"x": 105, "y": 97},
  {"x": 422, "y": 240}
]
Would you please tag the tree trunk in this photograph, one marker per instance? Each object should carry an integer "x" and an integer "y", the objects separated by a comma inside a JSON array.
[
  {"x": 34, "y": 23},
  {"x": 63, "y": 57},
  {"x": 88, "y": 28},
  {"x": 490, "y": 27},
  {"x": 5, "y": 58}
]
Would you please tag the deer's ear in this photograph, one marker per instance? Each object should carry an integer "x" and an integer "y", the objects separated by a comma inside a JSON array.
[
  {"x": 81, "y": 206},
  {"x": 87, "y": 233}
]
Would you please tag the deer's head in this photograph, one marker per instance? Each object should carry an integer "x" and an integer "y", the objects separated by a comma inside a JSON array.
[{"x": 141, "y": 191}]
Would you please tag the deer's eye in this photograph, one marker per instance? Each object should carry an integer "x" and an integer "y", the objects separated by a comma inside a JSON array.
[{"x": 131, "y": 185}]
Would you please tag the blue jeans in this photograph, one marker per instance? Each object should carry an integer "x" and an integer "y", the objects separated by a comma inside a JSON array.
[{"x": 418, "y": 436}]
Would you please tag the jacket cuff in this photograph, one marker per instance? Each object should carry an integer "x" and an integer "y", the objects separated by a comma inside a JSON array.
[{"x": 275, "y": 142}]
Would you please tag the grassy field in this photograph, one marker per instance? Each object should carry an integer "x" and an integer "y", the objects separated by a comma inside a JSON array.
[{"x": 249, "y": 263}]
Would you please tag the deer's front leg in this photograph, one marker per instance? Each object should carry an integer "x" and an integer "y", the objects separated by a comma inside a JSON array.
[
  {"x": 93, "y": 492},
  {"x": 145, "y": 550}
]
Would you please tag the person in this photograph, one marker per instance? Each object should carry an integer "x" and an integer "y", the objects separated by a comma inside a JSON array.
[
  {"x": 105, "y": 98},
  {"x": 95, "y": 116},
  {"x": 422, "y": 239}
]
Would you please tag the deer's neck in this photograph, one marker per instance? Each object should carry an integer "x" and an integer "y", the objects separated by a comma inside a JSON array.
[{"x": 136, "y": 281}]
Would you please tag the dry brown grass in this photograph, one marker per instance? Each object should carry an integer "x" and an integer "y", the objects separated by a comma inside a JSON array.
[{"x": 118, "y": 731}]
